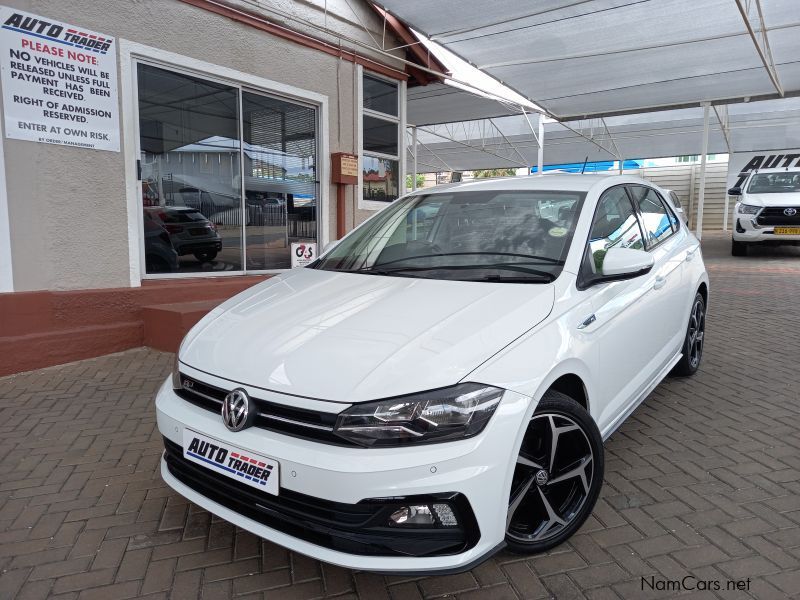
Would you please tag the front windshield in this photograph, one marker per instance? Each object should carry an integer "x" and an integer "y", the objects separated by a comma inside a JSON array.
[
  {"x": 774, "y": 183},
  {"x": 502, "y": 236}
]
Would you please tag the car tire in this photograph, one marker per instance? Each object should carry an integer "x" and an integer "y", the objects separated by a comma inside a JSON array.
[
  {"x": 738, "y": 248},
  {"x": 156, "y": 264},
  {"x": 694, "y": 342},
  {"x": 206, "y": 256},
  {"x": 554, "y": 490}
]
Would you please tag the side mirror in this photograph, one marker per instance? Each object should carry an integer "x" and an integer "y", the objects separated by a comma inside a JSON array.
[
  {"x": 735, "y": 191},
  {"x": 626, "y": 263}
]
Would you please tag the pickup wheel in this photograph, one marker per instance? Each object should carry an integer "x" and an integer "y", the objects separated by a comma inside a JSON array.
[
  {"x": 557, "y": 478},
  {"x": 738, "y": 248}
]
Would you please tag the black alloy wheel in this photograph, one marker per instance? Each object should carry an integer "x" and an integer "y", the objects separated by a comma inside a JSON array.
[
  {"x": 695, "y": 339},
  {"x": 557, "y": 478}
]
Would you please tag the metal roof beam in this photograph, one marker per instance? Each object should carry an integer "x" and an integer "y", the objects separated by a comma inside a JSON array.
[
  {"x": 470, "y": 146},
  {"x": 762, "y": 47},
  {"x": 723, "y": 118}
]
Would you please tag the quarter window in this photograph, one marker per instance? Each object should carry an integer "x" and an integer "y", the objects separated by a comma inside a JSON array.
[
  {"x": 657, "y": 221},
  {"x": 615, "y": 226}
]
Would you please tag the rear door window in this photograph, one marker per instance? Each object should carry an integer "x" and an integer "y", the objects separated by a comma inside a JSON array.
[{"x": 657, "y": 221}]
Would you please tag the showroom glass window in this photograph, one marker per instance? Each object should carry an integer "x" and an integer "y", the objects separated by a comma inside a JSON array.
[
  {"x": 381, "y": 136},
  {"x": 228, "y": 176}
]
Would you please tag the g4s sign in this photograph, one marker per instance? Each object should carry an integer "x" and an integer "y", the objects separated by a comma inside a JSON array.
[{"x": 303, "y": 254}]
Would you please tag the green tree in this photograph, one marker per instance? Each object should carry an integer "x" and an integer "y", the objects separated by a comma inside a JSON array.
[
  {"x": 420, "y": 181},
  {"x": 483, "y": 173}
]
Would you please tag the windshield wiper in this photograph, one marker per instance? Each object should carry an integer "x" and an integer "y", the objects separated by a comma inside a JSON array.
[
  {"x": 539, "y": 259},
  {"x": 513, "y": 279},
  {"x": 503, "y": 266}
]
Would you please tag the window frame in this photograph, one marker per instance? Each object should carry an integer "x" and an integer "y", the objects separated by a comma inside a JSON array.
[
  {"x": 399, "y": 120},
  {"x": 133, "y": 53},
  {"x": 640, "y": 216}
]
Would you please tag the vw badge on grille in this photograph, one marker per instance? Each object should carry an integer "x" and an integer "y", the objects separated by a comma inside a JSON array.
[
  {"x": 235, "y": 410},
  {"x": 790, "y": 212}
]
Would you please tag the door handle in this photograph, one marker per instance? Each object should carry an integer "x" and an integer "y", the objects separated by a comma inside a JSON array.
[
  {"x": 587, "y": 321},
  {"x": 660, "y": 282},
  {"x": 690, "y": 254}
]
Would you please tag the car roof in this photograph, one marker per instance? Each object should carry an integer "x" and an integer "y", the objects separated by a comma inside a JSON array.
[
  {"x": 567, "y": 182},
  {"x": 172, "y": 208}
]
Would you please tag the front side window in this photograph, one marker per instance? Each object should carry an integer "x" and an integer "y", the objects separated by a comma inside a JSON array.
[
  {"x": 503, "y": 236},
  {"x": 614, "y": 226},
  {"x": 774, "y": 183},
  {"x": 380, "y": 146},
  {"x": 656, "y": 219}
]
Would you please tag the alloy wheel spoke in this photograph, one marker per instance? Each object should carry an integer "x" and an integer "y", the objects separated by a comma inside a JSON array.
[
  {"x": 521, "y": 460},
  {"x": 517, "y": 499},
  {"x": 578, "y": 471},
  {"x": 555, "y": 432},
  {"x": 552, "y": 518}
]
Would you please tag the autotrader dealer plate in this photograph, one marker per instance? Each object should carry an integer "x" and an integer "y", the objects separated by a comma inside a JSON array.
[{"x": 253, "y": 469}]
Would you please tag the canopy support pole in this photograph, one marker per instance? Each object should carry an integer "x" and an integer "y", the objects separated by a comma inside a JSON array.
[
  {"x": 723, "y": 119},
  {"x": 703, "y": 156},
  {"x": 540, "y": 152},
  {"x": 413, "y": 159}
]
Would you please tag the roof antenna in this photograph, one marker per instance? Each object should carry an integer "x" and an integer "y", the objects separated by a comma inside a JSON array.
[{"x": 583, "y": 168}]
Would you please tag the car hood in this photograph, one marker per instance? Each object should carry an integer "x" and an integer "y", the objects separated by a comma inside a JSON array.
[
  {"x": 353, "y": 337},
  {"x": 779, "y": 200}
]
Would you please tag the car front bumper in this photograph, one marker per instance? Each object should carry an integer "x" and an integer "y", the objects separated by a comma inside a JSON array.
[
  {"x": 746, "y": 229},
  {"x": 331, "y": 499}
]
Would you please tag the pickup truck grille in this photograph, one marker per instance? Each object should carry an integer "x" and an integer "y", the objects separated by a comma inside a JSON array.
[{"x": 775, "y": 215}]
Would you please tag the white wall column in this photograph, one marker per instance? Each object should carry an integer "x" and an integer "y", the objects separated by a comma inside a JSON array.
[
  {"x": 703, "y": 159},
  {"x": 6, "y": 272}
]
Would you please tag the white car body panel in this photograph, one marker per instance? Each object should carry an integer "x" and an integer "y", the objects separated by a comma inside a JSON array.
[
  {"x": 325, "y": 340},
  {"x": 289, "y": 335}
]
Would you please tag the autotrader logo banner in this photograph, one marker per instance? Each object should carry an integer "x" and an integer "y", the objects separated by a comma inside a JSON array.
[
  {"x": 59, "y": 82},
  {"x": 741, "y": 164}
]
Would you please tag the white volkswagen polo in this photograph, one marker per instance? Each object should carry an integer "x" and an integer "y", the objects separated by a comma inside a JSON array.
[{"x": 439, "y": 384}]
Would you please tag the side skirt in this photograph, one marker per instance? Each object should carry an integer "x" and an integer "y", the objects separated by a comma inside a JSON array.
[{"x": 614, "y": 425}]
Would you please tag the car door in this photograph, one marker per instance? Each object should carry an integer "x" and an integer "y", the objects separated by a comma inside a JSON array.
[
  {"x": 666, "y": 241},
  {"x": 625, "y": 326}
]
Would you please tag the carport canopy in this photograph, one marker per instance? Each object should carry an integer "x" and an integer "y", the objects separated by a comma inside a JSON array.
[
  {"x": 592, "y": 58},
  {"x": 504, "y": 142}
]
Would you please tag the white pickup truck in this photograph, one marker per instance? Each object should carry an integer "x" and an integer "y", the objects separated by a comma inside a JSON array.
[{"x": 767, "y": 210}]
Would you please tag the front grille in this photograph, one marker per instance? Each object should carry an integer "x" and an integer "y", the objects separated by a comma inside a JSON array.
[
  {"x": 360, "y": 528},
  {"x": 289, "y": 420},
  {"x": 774, "y": 215}
]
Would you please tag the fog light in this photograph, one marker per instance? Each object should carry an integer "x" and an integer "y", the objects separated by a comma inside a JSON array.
[
  {"x": 445, "y": 515},
  {"x": 416, "y": 514}
]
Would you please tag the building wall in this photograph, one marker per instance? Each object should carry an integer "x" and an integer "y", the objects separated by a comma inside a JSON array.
[
  {"x": 67, "y": 206},
  {"x": 684, "y": 180}
]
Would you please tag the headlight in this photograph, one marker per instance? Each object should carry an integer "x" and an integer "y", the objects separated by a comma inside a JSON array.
[
  {"x": 748, "y": 209},
  {"x": 447, "y": 414},
  {"x": 176, "y": 374}
]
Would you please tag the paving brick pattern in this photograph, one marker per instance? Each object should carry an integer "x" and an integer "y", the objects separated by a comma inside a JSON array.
[{"x": 703, "y": 480}]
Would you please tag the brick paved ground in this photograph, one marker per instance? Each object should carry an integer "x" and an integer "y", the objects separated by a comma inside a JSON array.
[{"x": 703, "y": 480}]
